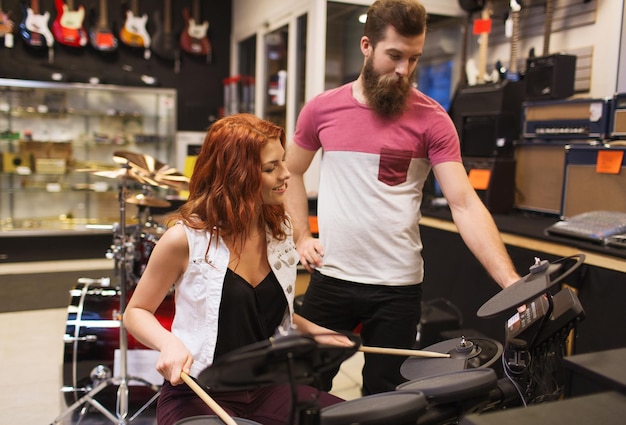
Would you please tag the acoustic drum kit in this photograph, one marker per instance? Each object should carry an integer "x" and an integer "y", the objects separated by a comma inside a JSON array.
[
  {"x": 445, "y": 381},
  {"x": 96, "y": 342}
]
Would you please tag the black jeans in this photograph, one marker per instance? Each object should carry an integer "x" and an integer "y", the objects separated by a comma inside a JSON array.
[{"x": 388, "y": 314}]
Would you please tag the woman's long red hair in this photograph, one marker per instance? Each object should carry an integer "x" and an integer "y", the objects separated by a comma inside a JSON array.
[{"x": 225, "y": 187}]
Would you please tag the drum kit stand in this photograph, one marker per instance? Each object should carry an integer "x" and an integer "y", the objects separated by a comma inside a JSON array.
[{"x": 149, "y": 172}]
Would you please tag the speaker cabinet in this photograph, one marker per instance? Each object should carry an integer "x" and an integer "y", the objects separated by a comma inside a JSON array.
[
  {"x": 539, "y": 173},
  {"x": 487, "y": 118},
  {"x": 496, "y": 183},
  {"x": 550, "y": 77},
  {"x": 587, "y": 185}
]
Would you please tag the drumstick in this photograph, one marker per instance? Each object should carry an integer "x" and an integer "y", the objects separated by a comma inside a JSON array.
[
  {"x": 207, "y": 399},
  {"x": 402, "y": 352}
]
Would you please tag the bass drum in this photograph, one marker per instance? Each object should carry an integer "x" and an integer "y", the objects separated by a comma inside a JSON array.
[{"x": 92, "y": 336}]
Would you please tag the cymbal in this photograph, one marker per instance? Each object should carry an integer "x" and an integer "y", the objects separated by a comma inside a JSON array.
[
  {"x": 147, "y": 201},
  {"x": 152, "y": 169},
  {"x": 537, "y": 282},
  {"x": 124, "y": 174}
]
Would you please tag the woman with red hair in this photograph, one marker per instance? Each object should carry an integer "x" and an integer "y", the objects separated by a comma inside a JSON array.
[{"x": 231, "y": 259}]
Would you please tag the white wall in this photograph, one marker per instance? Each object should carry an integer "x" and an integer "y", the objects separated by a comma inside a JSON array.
[{"x": 602, "y": 37}]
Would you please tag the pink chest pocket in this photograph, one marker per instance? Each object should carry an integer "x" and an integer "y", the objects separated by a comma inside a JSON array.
[{"x": 394, "y": 165}]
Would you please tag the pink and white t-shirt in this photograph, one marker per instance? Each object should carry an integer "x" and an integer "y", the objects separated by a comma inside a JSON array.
[{"x": 372, "y": 173}]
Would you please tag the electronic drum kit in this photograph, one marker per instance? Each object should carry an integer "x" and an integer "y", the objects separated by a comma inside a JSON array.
[{"x": 444, "y": 381}]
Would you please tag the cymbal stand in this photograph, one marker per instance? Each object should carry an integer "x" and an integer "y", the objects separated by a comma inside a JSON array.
[{"x": 121, "y": 415}]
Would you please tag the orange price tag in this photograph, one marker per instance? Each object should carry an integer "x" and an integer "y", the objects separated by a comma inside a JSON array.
[
  {"x": 479, "y": 178},
  {"x": 313, "y": 224},
  {"x": 609, "y": 162},
  {"x": 481, "y": 26}
]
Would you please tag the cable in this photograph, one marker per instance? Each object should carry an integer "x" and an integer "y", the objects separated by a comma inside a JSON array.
[{"x": 507, "y": 372}]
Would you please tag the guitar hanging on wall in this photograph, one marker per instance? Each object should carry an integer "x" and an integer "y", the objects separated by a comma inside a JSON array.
[
  {"x": 6, "y": 28},
  {"x": 512, "y": 73},
  {"x": 68, "y": 27},
  {"x": 34, "y": 29},
  {"x": 100, "y": 36},
  {"x": 164, "y": 44},
  {"x": 194, "y": 39},
  {"x": 483, "y": 28},
  {"x": 134, "y": 33}
]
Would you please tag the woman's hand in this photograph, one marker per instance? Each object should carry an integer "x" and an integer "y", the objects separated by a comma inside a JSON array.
[{"x": 174, "y": 359}]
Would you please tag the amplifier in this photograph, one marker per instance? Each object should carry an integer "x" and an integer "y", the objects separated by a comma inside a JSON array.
[
  {"x": 617, "y": 126},
  {"x": 539, "y": 170},
  {"x": 486, "y": 117},
  {"x": 565, "y": 119},
  {"x": 595, "y": 179},
  {"x": 550, "y": 77}
]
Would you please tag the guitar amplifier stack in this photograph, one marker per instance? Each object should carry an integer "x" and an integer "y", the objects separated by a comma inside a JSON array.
[
  {"x": 486, "y": 117},
  {"x": 560, "y": 157}
]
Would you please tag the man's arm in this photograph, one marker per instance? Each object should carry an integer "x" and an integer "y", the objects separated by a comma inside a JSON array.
[
  {"x": 475, "y": 223},
  {"x": 297, "y": 205}
]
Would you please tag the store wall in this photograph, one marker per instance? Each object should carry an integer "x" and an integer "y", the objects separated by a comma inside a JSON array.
[{"x": 199, "y": 84}]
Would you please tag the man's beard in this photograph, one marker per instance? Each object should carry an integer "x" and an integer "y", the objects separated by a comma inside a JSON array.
[{"x": 386, "y": 95}]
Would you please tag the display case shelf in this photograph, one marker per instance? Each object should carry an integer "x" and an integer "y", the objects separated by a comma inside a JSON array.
[{"x": 54, "y": 140}]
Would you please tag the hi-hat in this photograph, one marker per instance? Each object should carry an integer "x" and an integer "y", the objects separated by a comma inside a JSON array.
[
  {"x": 147, "y": 201},
  {"x": 152, "y": 170},
  {"x": 542, "y": 277}
]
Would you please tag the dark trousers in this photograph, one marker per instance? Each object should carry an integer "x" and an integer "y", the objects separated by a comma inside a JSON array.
[
  {"x": 388, "y": 314},
  {"x": 270, "y": 405}
]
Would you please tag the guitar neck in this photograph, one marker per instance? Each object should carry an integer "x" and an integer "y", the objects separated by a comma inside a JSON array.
[
  {"x": 514, "y": 42},
  {"x": 103, "y": 19},
  {"x": 167, "y": 17},
  {"x": 195, "y": 10},
  {"x": 484, "y": 45},
  {"x": 547, "y": 27},
  {"x": 34, "y": 5}
]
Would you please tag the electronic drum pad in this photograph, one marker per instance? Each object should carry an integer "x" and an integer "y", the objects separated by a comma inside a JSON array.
[
  {"x": 542, "y": 276},
  {"x": 291, "y": 358},
  {"x": 464, "y": 353}
]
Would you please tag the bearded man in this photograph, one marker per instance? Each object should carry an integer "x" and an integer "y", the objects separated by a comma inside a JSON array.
[{"x": 380, "y": 139}]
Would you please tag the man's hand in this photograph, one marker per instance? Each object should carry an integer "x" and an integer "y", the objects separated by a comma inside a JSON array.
[{"x": 311, "y": 252}]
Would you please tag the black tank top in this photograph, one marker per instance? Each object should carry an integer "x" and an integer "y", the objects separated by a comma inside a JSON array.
[{"x": 248, "y": 314}]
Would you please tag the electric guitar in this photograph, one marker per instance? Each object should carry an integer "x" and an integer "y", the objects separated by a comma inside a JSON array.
[
  {"x": 100, "y": 36},
  {"x": 134, "y": 33},
  {"x": 6, "y": 28},
  {"x": 68, "y": 28},
  {"x": 34, "y": 29},
  {"x": 193, "y": 39},
  {"x": 512, "y": 73},
  {"x": 164, "y": 43}
]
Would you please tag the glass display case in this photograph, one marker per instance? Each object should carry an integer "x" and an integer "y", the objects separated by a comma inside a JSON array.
[{"x": 57, "y": 146}]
